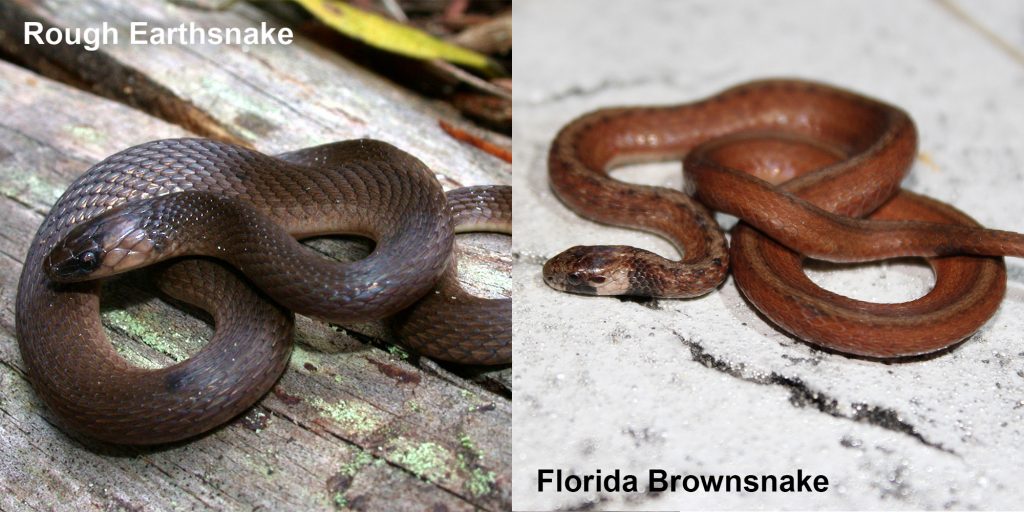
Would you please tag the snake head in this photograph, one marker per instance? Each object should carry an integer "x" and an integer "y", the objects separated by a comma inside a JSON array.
[
  {"x": 111, "y": 243},
  {"x": 590, "y": 270}
]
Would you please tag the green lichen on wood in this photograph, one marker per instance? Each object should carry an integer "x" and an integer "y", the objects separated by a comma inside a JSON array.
[
  {"x": 474, "y": 400},
  {"x": 340, "y": 501},
  {"x": 361, "y": 460},
  {"x": 398, "y": 352},
  {"x": 480, "y": 482},
  {"x": 413, "y": 406},
  {"x": 86, "y": 134},
  {"x": 26, "y": 186},
  {"x": 467, "y": 442},
  {"x": 357, "y": 417},
  {"x": 167, "y": 343},
  {"x": 301, "y": 356},
  {"x": 428, "y": 461}
]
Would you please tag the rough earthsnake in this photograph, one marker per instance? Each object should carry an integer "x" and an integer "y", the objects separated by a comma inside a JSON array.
[{"x": 200, "y": 197}]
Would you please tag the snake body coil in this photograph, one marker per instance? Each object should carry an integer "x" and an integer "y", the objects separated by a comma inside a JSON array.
[
  {"x": 799, "y": 163},
  {"x": 180, "y": 197}
]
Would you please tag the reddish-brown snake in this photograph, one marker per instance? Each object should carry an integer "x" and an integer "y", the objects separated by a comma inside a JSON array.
[
  {"x": 800, "y": 163},
  {"x": 185, "y": 197}
]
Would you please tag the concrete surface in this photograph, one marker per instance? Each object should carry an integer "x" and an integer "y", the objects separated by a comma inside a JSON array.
[{"x": 706, "y": 386}]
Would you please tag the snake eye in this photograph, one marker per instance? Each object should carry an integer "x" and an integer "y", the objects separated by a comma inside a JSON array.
[
  {"x": 89, "y": 260},
  {"x": 575, "y": 278}
]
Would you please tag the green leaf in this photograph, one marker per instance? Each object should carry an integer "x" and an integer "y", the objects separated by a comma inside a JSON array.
[{"x": 392, "y": 36}]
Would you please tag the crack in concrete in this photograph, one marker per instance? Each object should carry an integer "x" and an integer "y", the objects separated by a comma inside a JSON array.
[
  {"x": 803, "y": 396},
  {"x": 582, "y": 91},
  {"x": 665, "y": 79}
]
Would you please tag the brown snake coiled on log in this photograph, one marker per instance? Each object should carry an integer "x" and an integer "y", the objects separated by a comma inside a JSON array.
[
  {"x": 819, "y": 158},
  {"x": 450, "y": 312},
  {"x": 179, "y": 197}
]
